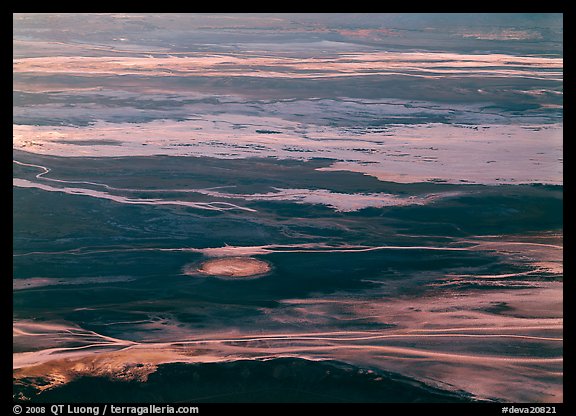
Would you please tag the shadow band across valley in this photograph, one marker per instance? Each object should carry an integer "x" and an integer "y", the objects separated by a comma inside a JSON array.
[{"x": 281, "y": 380}]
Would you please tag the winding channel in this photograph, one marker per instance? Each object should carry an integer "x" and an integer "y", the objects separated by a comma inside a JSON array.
[{"x": 24, "y": 183}]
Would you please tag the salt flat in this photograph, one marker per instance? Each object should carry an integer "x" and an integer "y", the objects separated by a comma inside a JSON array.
[{"x": 353, "y": 207}]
